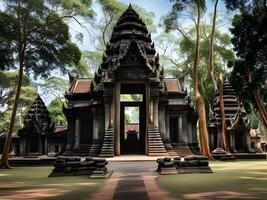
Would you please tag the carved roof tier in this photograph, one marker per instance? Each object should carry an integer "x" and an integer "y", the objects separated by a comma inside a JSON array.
[
  {"x": 173, "y": 85},
  {"x": 234, "y": 110},
  {"x": 80, "y": 86},
  {"x": 37, "y": 119},
  {"x": 129, "y": 34}
]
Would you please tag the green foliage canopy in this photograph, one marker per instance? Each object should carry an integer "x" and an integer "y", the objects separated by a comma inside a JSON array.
[
  {"x": 249, "y": 39},
  {"x": 8, "y": 81}
]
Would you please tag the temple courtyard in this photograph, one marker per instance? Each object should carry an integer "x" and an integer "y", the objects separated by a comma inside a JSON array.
[{"x": 243, "y": 179}]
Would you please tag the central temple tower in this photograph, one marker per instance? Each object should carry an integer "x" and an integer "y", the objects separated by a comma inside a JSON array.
[
  {"x": 131, "y": 66},
  {"x": 129, "y": 79}
]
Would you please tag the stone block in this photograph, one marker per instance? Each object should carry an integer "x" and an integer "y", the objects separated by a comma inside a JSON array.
[
  {"x": 73, "y": 164},
  {"x": 177, "y": 158},
  {"x": 192, "y": 163},
  {"x": 203, "y": 163},
  {"x": 167, "y": 159},
  {"x": 100, "y": 165},
  {"x": 89, "y": 158},
  {"x": 88, "y": 163}
]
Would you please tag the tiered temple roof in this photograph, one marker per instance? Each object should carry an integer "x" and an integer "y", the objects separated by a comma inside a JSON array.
[
  {"x": 234, "y": 110},
  {"x": 130, "y": 31},
  {"x": 37, "y": 120},
  {"x": 81, "y": 86},
  {"x": 173, "y": 85}
]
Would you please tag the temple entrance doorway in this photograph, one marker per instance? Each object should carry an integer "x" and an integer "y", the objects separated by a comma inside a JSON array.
[
  {"x": 240, "y": 141},
  {"x": 132, "y": 119}
]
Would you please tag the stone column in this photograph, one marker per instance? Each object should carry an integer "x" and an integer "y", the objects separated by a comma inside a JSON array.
[
  {"x": 184, "y": 128},
  {"x": 247, "y": 139},
  {"x": 46, "y": 146},
  {"x": 232, "y": 142},
  {"x": 167, "y": 122},
  {"x": 40, "y": 145},
  {"x": 189, "y": 130},
  {"x": 219, "y": 138},
  {"x": 147, "y": 103},
  {"x": 70, "y": 134},
  {"x": 22, "y": 150},
  {"x": 95, "y": 125},
  {"x": 77, "y": 134},
  {"x": 107, "y": 115},
  {"x": 156, "y": 111},
  {"x": 116, "y": 117},
  {"x": 151, "y": 120},
  {"x": 180, "y": 129},
  {"x": 162, "y": 122},
  {"x": 12, "y": 149}
]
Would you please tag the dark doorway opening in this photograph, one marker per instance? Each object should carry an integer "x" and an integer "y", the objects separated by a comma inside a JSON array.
[
  {"x": 33, "y": 144},
  {"x": 240, "y": 141},
  {"x": 86, "y": 130},
  {"x": 132, "y": 119},
  {"x": 174, "y": 137}
]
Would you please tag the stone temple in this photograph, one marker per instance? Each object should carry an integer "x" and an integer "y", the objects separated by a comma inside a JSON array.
[
  {"x": 238, "y": 129},
  {"x": 130, "y": 81},
  {"x": 129, "y": 77}
]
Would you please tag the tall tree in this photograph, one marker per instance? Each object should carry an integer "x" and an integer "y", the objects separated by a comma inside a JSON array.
[
  {"x": 177, "y": 9},
  {"x": 211, "y": 51},
  {"x": 220, "y": 78},
  {"x": 199, "y": 99},
  {"x": 169, "y": 48},
  {"x": 56, "y": 111},
  {"x": 40, "y": 42},
  {"x": 249, "y": 75},
  {"x": 54, "y": 88}
]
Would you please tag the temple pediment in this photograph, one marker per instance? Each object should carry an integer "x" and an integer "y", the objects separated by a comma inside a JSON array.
[{"x": 132, "y": 55}]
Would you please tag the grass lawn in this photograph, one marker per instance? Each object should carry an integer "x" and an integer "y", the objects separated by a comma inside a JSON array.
[
  {"x": 230, "y": 180},
  {"x": 33, "y": 183}
]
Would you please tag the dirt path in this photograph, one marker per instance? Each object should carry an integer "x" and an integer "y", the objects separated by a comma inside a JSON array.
[{"x": 131, "y": 181}]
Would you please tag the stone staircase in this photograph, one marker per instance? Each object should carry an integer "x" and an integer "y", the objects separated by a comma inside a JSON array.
[
  {"x": 95, "y": 149},
  {"x": 183, "y": 150},
  {"x": 107, "y": 149},
  {"x": 155, "y": 144},
  {"x": 82, "y": 151},
  {"x": 170, "y": 150}
]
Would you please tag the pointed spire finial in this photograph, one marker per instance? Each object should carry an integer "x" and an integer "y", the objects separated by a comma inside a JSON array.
[
  {"x": 38, "y": 97},
  {"x": 130, "y": 7}
]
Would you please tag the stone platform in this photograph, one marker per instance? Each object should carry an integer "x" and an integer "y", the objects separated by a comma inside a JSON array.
[
  {"x": 75, "y": 166},
  {"x": 255, "y": 156},
  {"x": 31, "y": 161},
  {"x": 190, "y": 164},
  {"x": 130, "y": 158}
]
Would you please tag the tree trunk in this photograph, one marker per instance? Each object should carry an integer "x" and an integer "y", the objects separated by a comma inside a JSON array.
[
  {"x": 203, "y": 132},
  {"x": 261, "y": 107},
  {"x": 4, "y": 160},
  {"x": 259, "y": 102},
  {"x": 211, "y": 51},
  {"x": 224, "y": 134}
]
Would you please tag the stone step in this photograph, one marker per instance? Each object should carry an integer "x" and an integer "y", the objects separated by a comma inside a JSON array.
[
  {"x": 107, "y": 149},
  {"x": 94, "y": 150},
  {"x": 183, "y": 150},
  {"x": 170, "y": 150},
  {"x": 157, "y": 154},
  {"x": 155, "y": 144}
]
